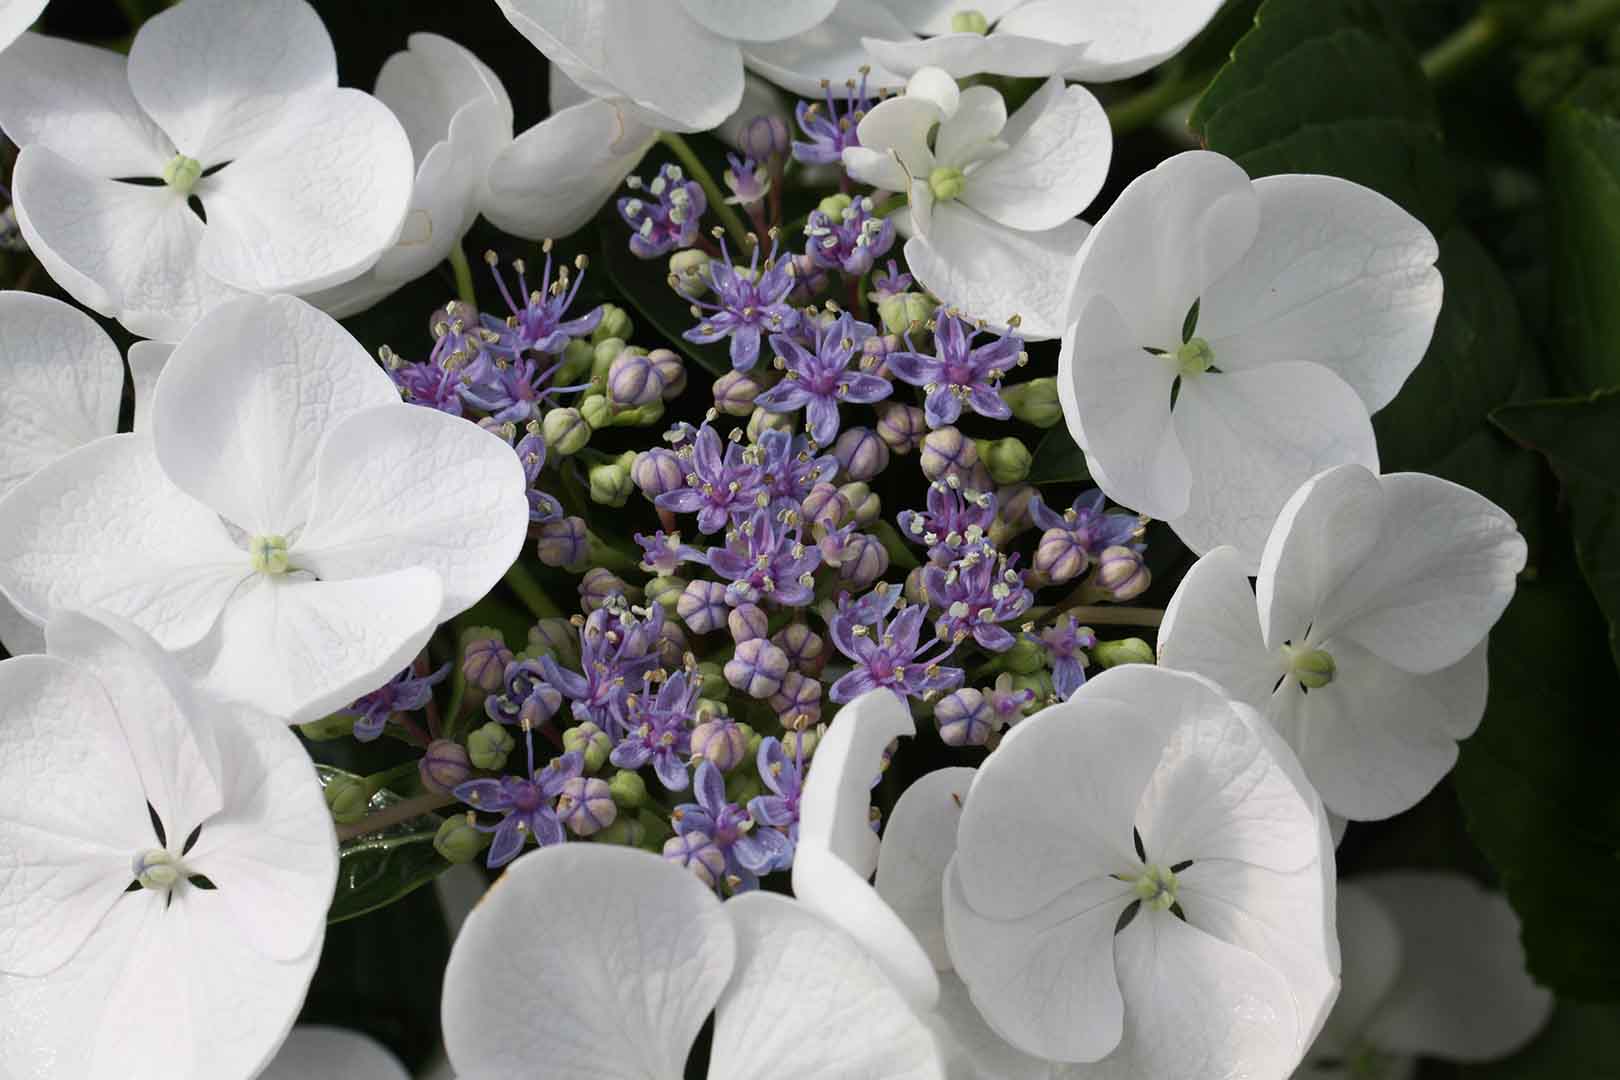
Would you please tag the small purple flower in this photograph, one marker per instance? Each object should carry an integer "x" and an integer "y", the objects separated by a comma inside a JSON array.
[
  {"x": 509, "y": 390},
  {"x": 657, "y": 730},
  {"x": 784, "y": 777},
  {"x": 958, "y": 373},
  {"x": 749, "y": 182},
  {"x": 749, "y": 303},
  {"x": 889, "y": 282},
  {"x": 428, "y": 384},
  {"x": 1006, "y": 703},
  {"x": 524, "y": 803},
  {"x": 539, "y": 321},
  {"x": 525, "y": 696},
  {"x": 663, "y": 553},
  {"x": 830, "y": 125},
  {"x": 887, "y": 653},
  {"x": 974, "y": 596},
  {"x": 405, "y": 692},
  {"x": 719, "y": 486},
  {"x": 964, "y": 718},
  {"x": 665, "y": 213},
  {"x": 1079, "y": 535},
  {"x": 791, "y": 469},
  {"x": 1067, "y": 643},
  {"x": 531, "y": 452},
  {"x": 766, "y": 562},
  {"x": 851, "y": 240},
  {"x": 955, "y": 523},
  {"x": 749, "y": 851},
  {"x": 615, "y": 647},
  {"x": 819, "y": 380}
]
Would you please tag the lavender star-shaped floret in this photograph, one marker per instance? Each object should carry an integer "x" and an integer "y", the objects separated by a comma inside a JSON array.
[
  {"x": 719, "y": 486},
  {"x": 779, "y": 810},
  {"x": 426, "y": 384},
  {"x": 819, "y": 380},
  {"x": 1067, "y": 644},
  {"x": 1078, "y": 535},
  {"x": 664, "y": 214},
  {"x": 616, "y": 646},
  {"x": 975, "y": 595},
  {"x": 791, "y": 468},
  {"x": 889, "y": 282},
  {"x": 663, "y": 553},
  {"x": 829, "y": 125},
  {"x": 749, "y": 303},
  {"x": 958, "y": 373},
  {"x": 749, "y": 850},
  {"x": 527, "y": 804},
  {"x": 955, "y": 523},
  {"x": 765, "y": 561},
  {"x": 531, "y": 452},
  {"x": 658, "y": 729},
  {"x": 844, "y": 234},
  {"x": 525, "y": 695},
  {"x": 886, "y": 653},
  {"x": 539, "y": 319},
  {"x": 405, "y": 692}
]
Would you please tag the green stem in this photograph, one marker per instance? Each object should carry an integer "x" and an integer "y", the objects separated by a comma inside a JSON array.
[
  {"x": 388, "y": 776},
  {"x": 1114, "y": 615},
  {"x": 1143, "y": 109},
  {"x": 605, "y": 554},
  {"x": 394, "y": 815},
  {"x": 1576, "y": 22},
  {"x": 717, "y": 198},
  {"x": 522, "y": 582},
  {"x": 464, "y": 278},
  {"x": 1466, "y": 46}
]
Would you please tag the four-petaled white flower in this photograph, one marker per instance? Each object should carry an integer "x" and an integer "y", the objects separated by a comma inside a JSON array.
[
  {"x": 1143, "y": 880},
  {"x": 458, "y": 118},
  {"x": 317, "y": 1052},
  {"x": 169, "y": 863},
  {"x": 1433, "y": 968},
  {"x": 303, "y": 184},
  {"x": 992, "y": 198},
  {"x": 1364, "y": 640},
  {"x": 631, "y": 956},
  {"x": 284, "y": 521},
  {"x": 1097, "y": 42},
  {"x": 1227, "y": 340}
]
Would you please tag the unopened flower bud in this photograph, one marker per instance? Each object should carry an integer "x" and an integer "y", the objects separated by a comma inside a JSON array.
[
  {"x": 765, "y": 136},
  {"x": 615, "y": 324},
  {"x": 565, "y": 431},
  {"x": 723, "y": 741},
  {"x": 657, "y": 472},
  {"x": 633, "y": 380},
  {"x": 459, "y": 841},
  {"x": 798, "y": 702},
  {"x": 757, "y": 668},
  {"x": 804, "y": 648},
  {"x": 671, "y": 369},
  {"x": 640, "y": 415},
  {"x": 825, "y": 507},
  {"x": 1126, "y": 651},
  {"x": 714, "y": 683},
  {"x": 969, "y": 22},
  {"x": 585, "y": 805},
  {"x": 598, "y": 586},
  {"x": 627, "y": 789},
  {"x": 626, "y": 830},
  {"x": 945, "y": 452},
  {"x": 763, "y": 420},
  {"x": 348, "y": 797},
  {"x": 562, "y": 542},
  {"x": 445, "y": 765},
  {"x": 865, "y": 560},
  {"x": 861, "y": 454},
  {"x": 708, "y": 709},
  {"x": 702, "y": 606},
  {"x": 964, "y": 718},
  {"x": 555, "y": 637},
  {"x": 576, "y": 363},
  {"x": 902, "y": 311},
  {"x": 1038, "y": 682},
  {"x": 610, "y": 482},
  {"x": 665, "y": 590},
  {"x": 744, "y": 784},
  {"x": 1121, "y": 573},
  {"x": 591, "y": 743},
  {"x": 1007, "y": 460},
  {"x": 484, "y": 657},
  {"x": 1024, "y": 657},
  {"x": 697, "y": 852},
  {"x": 690, "y": 271},
  {"x": 747, "y": 622},
  {"x": 735, "y": 391},
  {"x": 902, "y": 427},
  {"x": 1060, "y": 556},
  {"x": 864, "y": 504},
  {"x": 1035, "y": 402},
  {"x": 834, "y": 205},
  {"x": 489, "y": 746},
  {"x": 596, "y": 411},
  {"x": 603, "y": 353},
  {"x": 915, "y": 589}
]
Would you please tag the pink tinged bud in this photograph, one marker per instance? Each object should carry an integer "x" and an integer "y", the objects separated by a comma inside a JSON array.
[
  {"x": 1122, "y": 573},
  {"x": 757, "y": 668},
  {"x": 804, "y": 648},
  {"x": 483, "y": 663},
  {"x": 598, "y": 586},
  {"x": 765, "y": 136},
  {"x": 946, "y": 452},
  {"x": 865, "y": 560},
  {"x": 562, "y": 542},
  {"x": 747, "y": 622},
  {"x": 723, "y": 741},
  {"x": 861, "y": 454},
  {"x": 672, "y": 644},
  {"x": 798, "y": 702},
  {"x": 825, "y": 506},
  {"x": 902, "y": 427},
  {"x": 1060, "y": 556},
  {"x": 586, "y": 806},
  {"x": 445, "y": 765},
  {"x": 657, "y": 472},
  {"x": 964, "y": 717},
  {"x": 702, "y": 606},
  {"x": 667, "y": 363},
  {"x": 696, "y": 852},
  {"x": 633, "y": 380},
  {"x": 734, "y": 393}
]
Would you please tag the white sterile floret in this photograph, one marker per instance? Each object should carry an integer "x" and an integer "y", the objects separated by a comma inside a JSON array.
[
  {"x": 458, "y": 118},
  {"x": 170, "y": 861},
  {"x": 992, "y": 198},
  {"x": 678, "y": 65},
  {"x": 1228, "y": 339},
  {"x": 1364, "y": 640},
  {"x": 1096, "y": 42},
  {"x": 1143, "y": 880},
  {"x": 1433, "y": 968},
  {"x": 303, "y": 185},
  {"x": 17, "y": 16},
  {"x": 284, "y": 522},
  {"x": 317, "y": 1052},
  {"x": 630, "y": 959}
]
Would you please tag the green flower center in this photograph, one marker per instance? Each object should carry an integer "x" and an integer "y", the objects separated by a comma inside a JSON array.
[
  {"x": 181, "y": 173},
  {"x": 157, "y": 869},
  {"x": 969, "y": 22},
  {"x": 1195, "y": 357},
  {"x": 1314, "y": 668},
  {"x": 946, "y": 183},
  {"x": 269, "y": 554},
  {"x": 1156, "y": 887}
]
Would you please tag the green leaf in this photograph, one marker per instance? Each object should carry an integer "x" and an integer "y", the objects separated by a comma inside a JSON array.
[
  {"x": 376, "y": 870},
  {"x": 1326, "y": 86},
  {"x": 1583, "y": 164},
  {"x": 1581, "y": 438},
  {"x": 1057, "y": 460},
  {"x": 1480, "y": 358},
  {"x": 1537, "y": 786}
]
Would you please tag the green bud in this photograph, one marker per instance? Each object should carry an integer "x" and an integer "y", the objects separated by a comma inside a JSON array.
[
  {"x": 625, "y": 830},
  {"x": 576, "y": 363},
  {"x": 1035, "y": 402},
  {"x": 615, "y": 324},
  {"x": 689, "y": 270},
  {"x": 714, "y": 680},
  {"x": 1314, "y": 668},
  {"x": 159, "y": 869},
  {"x": 181, "y": 173},
  {"x": 1195, "y": 357},
  {"x": 762, "y": 420},
  {"x": 1024, "y": 658},
  {"x": 946, "y": 182},
  {"x": 969, "y": 22},
  {"x": 835, "y": 205},
  {"x": 597, "y": 411},
  {"x": 565, "y": 431},
  {"x": 610, "y": 483},
  {"x": 1156, "y": 888},
  {"x": 628, "y": 788},
  {"x": 326, "y": 728},
  {"x": 348, "y": 797},
  {"x": 603, "y": 353},
  {"x": 641, "y": 415},
  {"x": 665, "y": 590},
  {"x": 458, "y": 841},
  {"x": 708, "y": 709},
  {"x": 1007, "y": 459},
  {"x": 1126, "y": 651},
  {"x": 489, "y": 746},
  {"x": 864, "y": 504},
  {"x": 1038, "y": 681},
  {"x": 268, "y": 554},
  {"x": 743, "y": 785},
  {"x": 900, "y": 313},
  {"x": 592, "y": 743}
]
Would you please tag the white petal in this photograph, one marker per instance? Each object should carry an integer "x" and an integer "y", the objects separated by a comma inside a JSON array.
[
  {"x": 1196, "y": 1007},
  {"x": 744, "y": 20},
  {"x": 898, "y": 129},
  {"x": 1220, "y": 791},
  {"x": 1252, "y": 438},
  {"x": 65, "y": 866},
  {"x": 651, "y": 55},
  {"x": 932, "y": 84},
  {"x": 461, "y": 512},
  {"x": 1060, "y": 146},
  {"x": 665, "y": 938},
  {"x": 60, "y": 383},
  {"x": 1338, "y": 275},
  {"x": 1170, "y": 234},
  {"x": 17, "y": 16},
  {"x": 74, "y": 99},
  {"x": 428, "y": 83},
  {"x": 965, "y": 54},
  {"x": 918, "y": 842},
  {"x": 555, "y": 176},
  {"x": 1463, "y": 993},
  {"x": 1443, "y": 571},
  {"x": 313, "y": 201},
  {"x": 826, "y": 885},
  {"x": 245, "y": 401},
  {"x": 104, "y": 527},
  {"x": 1211, "y": 628},
  {"x": 835, "y": 806},
  {"x": 1116, "y": 398},
  {"x": 992, "y": 273},
  {"x": 830, "y": 51},
  {"x": 316, "y": 1052},
  {"x": 972, "y": 1051},
  {"x": 1371, "y": 944},
  {"x": 800, "y": 992},
  {"x": 217, "y": 75},
  {"x": 934, "y": 16},
  {"x": 299, "y": 649},
  {"x": 19, "y": 635},
  {"x": 124, "y": 250},
  {"x": 1045, "y": 982},
  {"x": 1123, "y": 37},
  {"x": 270, "y": 849},
  {"x": 970, "y": 131},
  {"x": 1377, "y": 739},
  {"x": 146, "y": 362}
]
